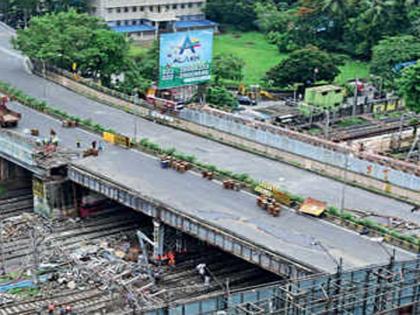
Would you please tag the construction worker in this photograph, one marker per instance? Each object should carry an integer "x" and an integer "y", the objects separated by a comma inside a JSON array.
[
  {"x": 51, "y": 308},
  {"x": 204, "y": 273},
  {"x": 69, "y": 309},
  {"x": 78, "y": 145},
  {"x": 171, "y": 259}
]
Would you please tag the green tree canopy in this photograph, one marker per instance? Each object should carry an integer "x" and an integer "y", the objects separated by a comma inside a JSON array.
[
  {"x": 17, "y": 13},
  {"x": 148, "y": 63},
  {"x": 134, "y": 81},
  {"x": 409, "y": 87},
  {"x": 239, "y": 13},
  {"x": 305, "y": 66},
  {"x": 227, "y": 67},
  {"x": 220, "y": 97},
  {"x": 69, "y": 37},
  {"x": 391, "y": 51}
]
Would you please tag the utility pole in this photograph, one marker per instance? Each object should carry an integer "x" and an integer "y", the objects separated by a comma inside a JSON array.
[
  {"x": 44, "y": 74},
  {"x": 135, "y": 129},
  {"x": 343, "y": 188},
  {"x": 3, "y": 262},
  {"x": 33, "y": 233},
  {"x": 353, "y": 112},
  {"x": 327, "y": 124}
]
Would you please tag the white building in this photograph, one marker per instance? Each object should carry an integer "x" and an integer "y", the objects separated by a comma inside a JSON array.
[{"x": 143, "y": 19}]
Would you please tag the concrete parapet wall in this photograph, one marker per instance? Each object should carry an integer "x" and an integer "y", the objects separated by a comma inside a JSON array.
[
  {"x": 395, "y": 172},
  {"x": 364, "y": 169}
]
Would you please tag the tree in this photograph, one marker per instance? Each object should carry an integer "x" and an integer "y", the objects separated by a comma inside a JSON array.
[
  {"x": 69, "y": 37},
  {"x": 376, "y": 19},
  {"x": 134, "y": 79},
  {"x": 148, "y": 64},
  {"x": 390, "y": 52},
  {"x": 220, "y": 97},
  {"x": 409, "y": 87},
  {"x": 227, "y": 67},
  {"x": 305, "y": 66},
  {"x": 17, "y": 13},
  {"x": 239, "y": 13}
]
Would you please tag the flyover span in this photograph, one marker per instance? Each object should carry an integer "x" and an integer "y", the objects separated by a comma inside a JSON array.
[
  {"x": 291, "y": 244},
  {"x": 286, "y": 245}
]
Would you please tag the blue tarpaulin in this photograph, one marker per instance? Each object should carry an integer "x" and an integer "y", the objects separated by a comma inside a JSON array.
[{"x": 21, "y": 284}]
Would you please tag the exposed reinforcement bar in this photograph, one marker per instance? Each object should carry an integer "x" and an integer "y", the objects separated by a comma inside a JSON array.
[{"x": 215, "y": 236}]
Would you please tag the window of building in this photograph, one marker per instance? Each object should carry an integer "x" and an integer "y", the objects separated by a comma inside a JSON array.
[
  {"x": 174, "y": 6},
  {"x": 110, "y": 10},
  {"x": 182, "y": 6},
  {"x": 158, "y": 8},
  {"x": 134, "y": 9},
  {"x": 151, "y": 8},
  {"x": 190, "y": 5},
  {"x": 199, "y": 4},
  {"x": 134, "y": 22},
  {"x": 141, "y": 9},
  {"x": 93, "y": 10},
  {"x": 118, "y": 10},
  {"x": 126, "y": 9},
  {"x": 118, "y": 23},
  {"x": 168, "y": 7}
]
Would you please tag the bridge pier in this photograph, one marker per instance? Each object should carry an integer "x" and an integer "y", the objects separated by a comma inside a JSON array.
[
  {"x": 10, "y": 171},
  {"x": 158, "y": 238},
  {"x": 53, "y": 198}
]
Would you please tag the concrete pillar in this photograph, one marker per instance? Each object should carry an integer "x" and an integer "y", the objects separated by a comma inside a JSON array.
[
  {"x": 6, "y": 170},
  {"x": 157, "y": 30},
  {"x": 53, "y": 198},
  {"x": 158, "y": 238}
]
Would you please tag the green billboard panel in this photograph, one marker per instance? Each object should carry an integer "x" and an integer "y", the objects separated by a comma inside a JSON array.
[{"x": 185, "y": 58}]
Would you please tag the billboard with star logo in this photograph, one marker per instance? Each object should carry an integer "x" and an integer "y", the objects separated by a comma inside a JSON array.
[{"x": 185, "y": 58}]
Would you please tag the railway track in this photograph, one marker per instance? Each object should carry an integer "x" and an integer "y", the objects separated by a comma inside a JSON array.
[
  {"x": 16, "y": 205},
  {"x": 70, "y": 237},
  {"x": 375, "y": 128},
  {"x": 79, "y": 301}
]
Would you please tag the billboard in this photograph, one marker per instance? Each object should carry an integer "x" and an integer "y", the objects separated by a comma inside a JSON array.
[{"x": 185, "y": 58}]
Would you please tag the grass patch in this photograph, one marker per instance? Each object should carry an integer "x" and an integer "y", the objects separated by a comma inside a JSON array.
[
  {"x": 258, "y": 54},
  {"x": 351, "y": 70},
  {"x": 353, "y": 121}
]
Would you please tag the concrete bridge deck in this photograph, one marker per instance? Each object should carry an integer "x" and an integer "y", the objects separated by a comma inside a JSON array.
[
  {"x": 229, "y": 220},
  {"x": 298, "y": 181}
]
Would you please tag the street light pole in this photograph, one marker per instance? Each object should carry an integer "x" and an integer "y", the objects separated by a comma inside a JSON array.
[{"x": 343, "y": 188}]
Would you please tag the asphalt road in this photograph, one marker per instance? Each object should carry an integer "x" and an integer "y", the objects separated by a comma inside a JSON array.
[
  {"x": 295, "y": 180},
  {"x": 289, "y": 234}
]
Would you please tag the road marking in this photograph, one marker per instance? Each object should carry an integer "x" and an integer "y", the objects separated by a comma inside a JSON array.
[
  {"x": 11, "y": 53},
  {"x": 7, "y": 28}
]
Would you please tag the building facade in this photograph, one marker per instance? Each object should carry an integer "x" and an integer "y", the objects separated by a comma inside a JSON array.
[{"x": 143, "y": 19}]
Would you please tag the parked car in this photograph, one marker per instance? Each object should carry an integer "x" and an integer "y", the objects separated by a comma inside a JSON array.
[{"x": 245, "y": 100}]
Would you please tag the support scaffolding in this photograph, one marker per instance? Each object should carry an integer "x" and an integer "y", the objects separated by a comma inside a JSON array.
[{"x": 374, "y": 290}]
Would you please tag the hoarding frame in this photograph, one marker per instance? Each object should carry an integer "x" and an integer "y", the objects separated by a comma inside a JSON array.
[{"x": 205, "y": 35}]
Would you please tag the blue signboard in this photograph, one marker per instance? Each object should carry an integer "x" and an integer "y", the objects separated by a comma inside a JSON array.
[{"x": 185, "y": 58}]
